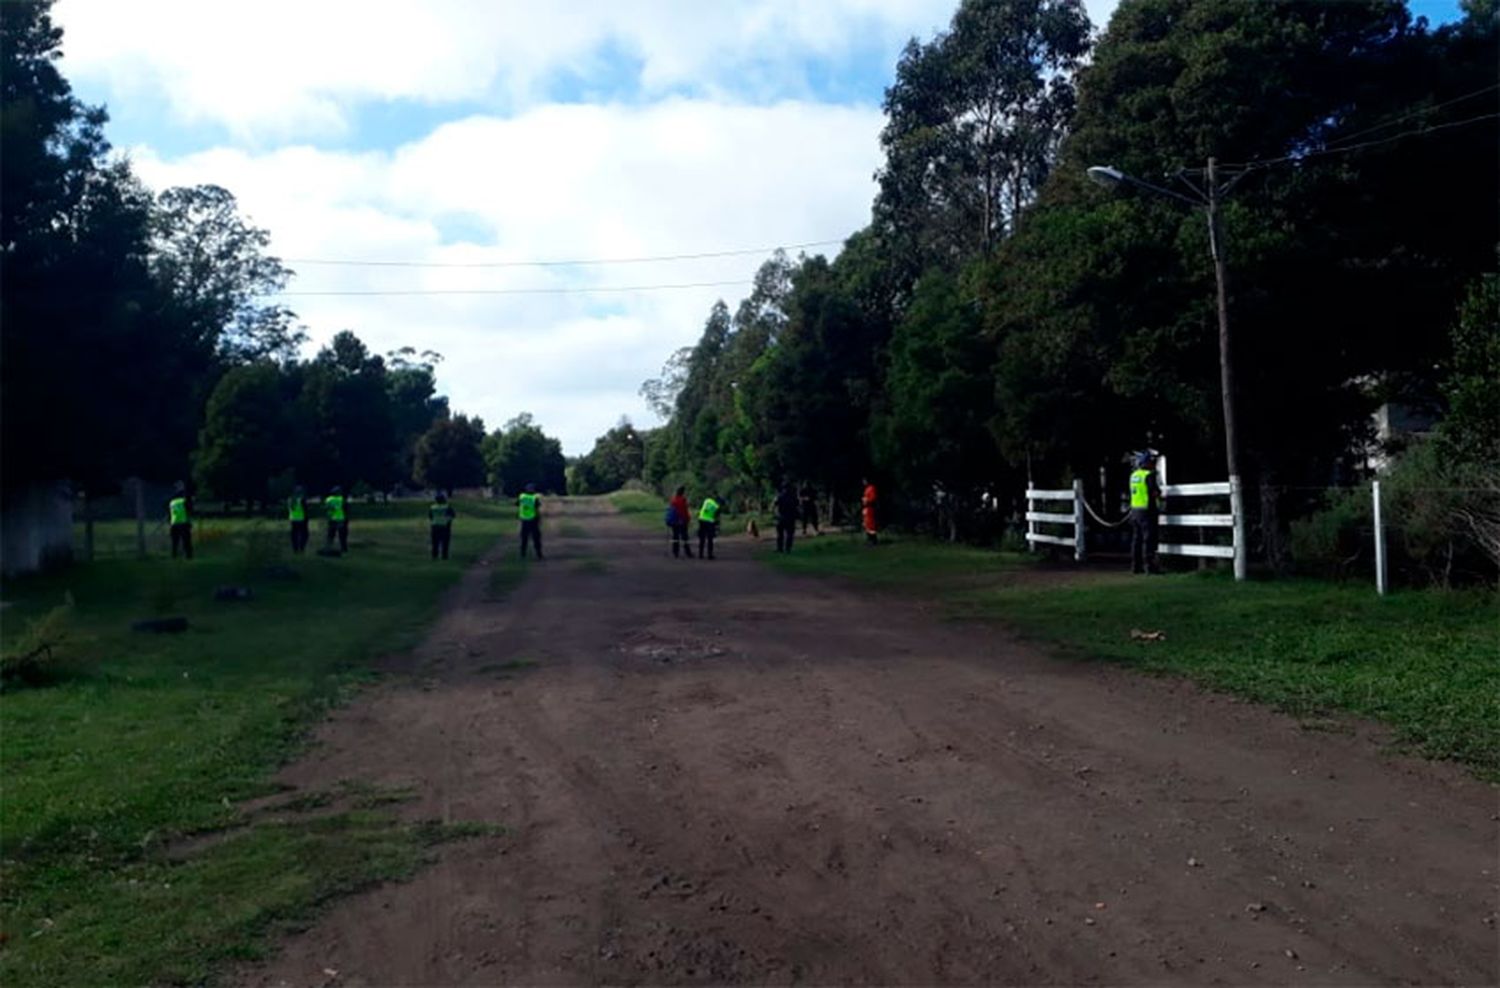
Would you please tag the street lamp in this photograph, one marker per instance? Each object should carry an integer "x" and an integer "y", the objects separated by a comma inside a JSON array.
[{"x": 1207, "y": 199}]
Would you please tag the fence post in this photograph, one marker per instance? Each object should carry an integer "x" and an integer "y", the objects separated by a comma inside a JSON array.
[
  {"x": 1078, "y": 552},
  {"x": 1030, "y": 524},
  {"x": 1379, "y": 542},
  {"x": 1237, "y": 508}
]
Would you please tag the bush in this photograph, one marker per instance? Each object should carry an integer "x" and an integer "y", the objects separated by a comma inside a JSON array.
[
  {"x": 41, "y": 653},
  {"x": 1442, "y": 521}
]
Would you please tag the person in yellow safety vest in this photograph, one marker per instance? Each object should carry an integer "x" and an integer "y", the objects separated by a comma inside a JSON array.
[
  {"x": 708, "y": 527},
  {"x": 296, "y": 516},
  {"x": 529, "y": 510},
  {"x": 180, "y": 520},
  {"x": 1145, "y": 503},
  {"x": 440, "y": 514},
  {"x": 338, "y": 518}
]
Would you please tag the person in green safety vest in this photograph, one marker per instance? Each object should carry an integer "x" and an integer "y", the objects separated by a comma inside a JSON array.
[
  {"x": 296, "y": 516},
  {"x": 338, "y": 518},
  {"x": 708, "y": 527},
  {"x": 1145, "y": 505},
  {"x": 529, "y": 510},
  {"x": 180, "y": 521},
  {"x": 440, "y": 514}
]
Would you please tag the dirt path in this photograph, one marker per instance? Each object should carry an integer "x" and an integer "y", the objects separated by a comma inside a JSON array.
[{"x": 718, "y": 773}]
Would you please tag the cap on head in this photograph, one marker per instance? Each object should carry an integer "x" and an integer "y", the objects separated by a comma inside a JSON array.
[
  {"x": 440, "y": 497},
  {"x": 1145, "y": 458},
  {"x": 336, "y": 489},
  {"x": 179, "y": 487},
  {"x": 298, "y": 490},
  {"x": 530, "y": 488}
]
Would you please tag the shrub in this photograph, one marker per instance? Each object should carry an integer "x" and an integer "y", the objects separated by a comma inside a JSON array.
[{"x": 47, "y": 647}]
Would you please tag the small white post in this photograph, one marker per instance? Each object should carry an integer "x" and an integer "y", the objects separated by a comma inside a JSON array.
[
  {"x": 1379, "y": 542},
  {"x": 1237, "y": 508},
  {"x": 1078, "y": 520},
  {"x": 1030, "y": 523}
]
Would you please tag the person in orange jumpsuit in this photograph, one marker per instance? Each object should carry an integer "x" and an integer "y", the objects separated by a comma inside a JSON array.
[{"x": 867, "y": 503}]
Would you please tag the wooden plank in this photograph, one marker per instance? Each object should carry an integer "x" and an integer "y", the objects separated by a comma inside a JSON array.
[
  {"x": 1198, "y": 521},
  {"x": 1051, "y": 516},
  {"x": 1212, "y": 551},
  {"x": 1195, "y": 490},
  {"x": 1053, "y": 539},
  {"x": 1040, "y": 495}
]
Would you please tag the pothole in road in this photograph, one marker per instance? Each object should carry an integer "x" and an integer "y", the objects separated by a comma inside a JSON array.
[{"x": 666, "y": 651}]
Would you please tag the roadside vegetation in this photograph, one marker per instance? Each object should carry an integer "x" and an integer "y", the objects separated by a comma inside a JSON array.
[
  {"x": 127, "y": 853},
  {"x": 1422, "y": 662}
]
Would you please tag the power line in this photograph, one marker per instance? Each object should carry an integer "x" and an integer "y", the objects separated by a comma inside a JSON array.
[
  {"x": 525, "y": 291},
  {"x": 558, "y": 264},
  {"x": 1414, "y": 113},
  {"x": 1324, "y": 152}
]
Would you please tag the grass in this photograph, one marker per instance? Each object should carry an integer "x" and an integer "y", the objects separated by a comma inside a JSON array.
[
  {"x": 1423, "y": 662},
  {"x": 142, "y": 740},
  {"x": 639, "y": 506}
]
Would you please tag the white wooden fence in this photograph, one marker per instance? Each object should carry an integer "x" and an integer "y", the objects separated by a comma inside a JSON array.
[
  {"x": 1073, "y": 518},
  {"x": 1171, "y": 518}
]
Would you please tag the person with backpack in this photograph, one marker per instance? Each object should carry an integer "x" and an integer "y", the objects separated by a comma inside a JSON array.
[{"x": 678, "y": 517}]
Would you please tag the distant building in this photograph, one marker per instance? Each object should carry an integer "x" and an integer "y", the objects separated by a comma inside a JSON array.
[{"x": 1396, "y": 425}]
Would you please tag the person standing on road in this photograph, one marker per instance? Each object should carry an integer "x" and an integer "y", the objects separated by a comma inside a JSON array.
[
  {"x": 867, "y": 503},
  {"x": 296, "y": 516},
  {"x": 787, "y": 509},
  {"x": 681, "y": 517},
  {"x": 708, "y": 527},
  {"x": 529, "y": 509},
  {"x": 440, "y": 516},
  {"x": 1145, "y": 504},
  {"x": 338, "y": 518},
  {"x": 180, "y": 520},
  {"x": 810, "y": 509}
]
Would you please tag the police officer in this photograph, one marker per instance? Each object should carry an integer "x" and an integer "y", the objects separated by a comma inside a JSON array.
[
  {"x": 179, "y": 517},
  {"x": 296, "y": 516},
  {"x": 338, "y": 518},
  {"x": 708, "y": 527},
  {"x": 1145, "y": 504},
  {"x": 440, "y": 514},
  {"x": 528, "y": 508}
]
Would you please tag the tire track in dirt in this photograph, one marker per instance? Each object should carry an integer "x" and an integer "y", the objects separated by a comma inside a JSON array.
[{"x": 718, "y": 773}]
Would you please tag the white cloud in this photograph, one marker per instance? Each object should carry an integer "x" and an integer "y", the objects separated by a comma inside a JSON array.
[
  {"x": 678, "y": 176},
  {"x": 289, "y": 67},
  {"x": 279, "y": 68}
]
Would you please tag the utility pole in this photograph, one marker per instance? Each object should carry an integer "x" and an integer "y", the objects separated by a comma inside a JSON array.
[{"x": 1226, "y": 367}]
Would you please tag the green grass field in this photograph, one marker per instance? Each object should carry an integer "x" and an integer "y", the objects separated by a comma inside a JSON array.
[
  {"x": 138, "y": 741},
  {"x": 1427, "y": 663}
]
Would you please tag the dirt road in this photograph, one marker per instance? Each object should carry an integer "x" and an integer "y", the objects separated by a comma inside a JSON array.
[{"x": 714, "y": 772}]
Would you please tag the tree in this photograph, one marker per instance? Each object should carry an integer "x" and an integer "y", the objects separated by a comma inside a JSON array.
[
  {"x": 975, "y": 117},
  {"x": 618, "y": 456},
  {"x": 448, "y": 454},
  {"x": 520, "y": 454},
  {"x": 346, "y": 403},
  {"x": 244, "y": 440},
  {"x": 214, "y": 266},
  {"x": 91, "y": 386},
  {"x": 411, "y": 382},
  {"x": 932, "y": 437}
]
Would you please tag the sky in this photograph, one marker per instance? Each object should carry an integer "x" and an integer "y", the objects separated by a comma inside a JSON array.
[{"x": 457, "y": 133}]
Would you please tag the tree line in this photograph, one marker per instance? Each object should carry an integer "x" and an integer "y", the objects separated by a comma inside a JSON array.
[
  {"x": 1001, "y": 318},
  {"x": 139, "y": 340}
]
